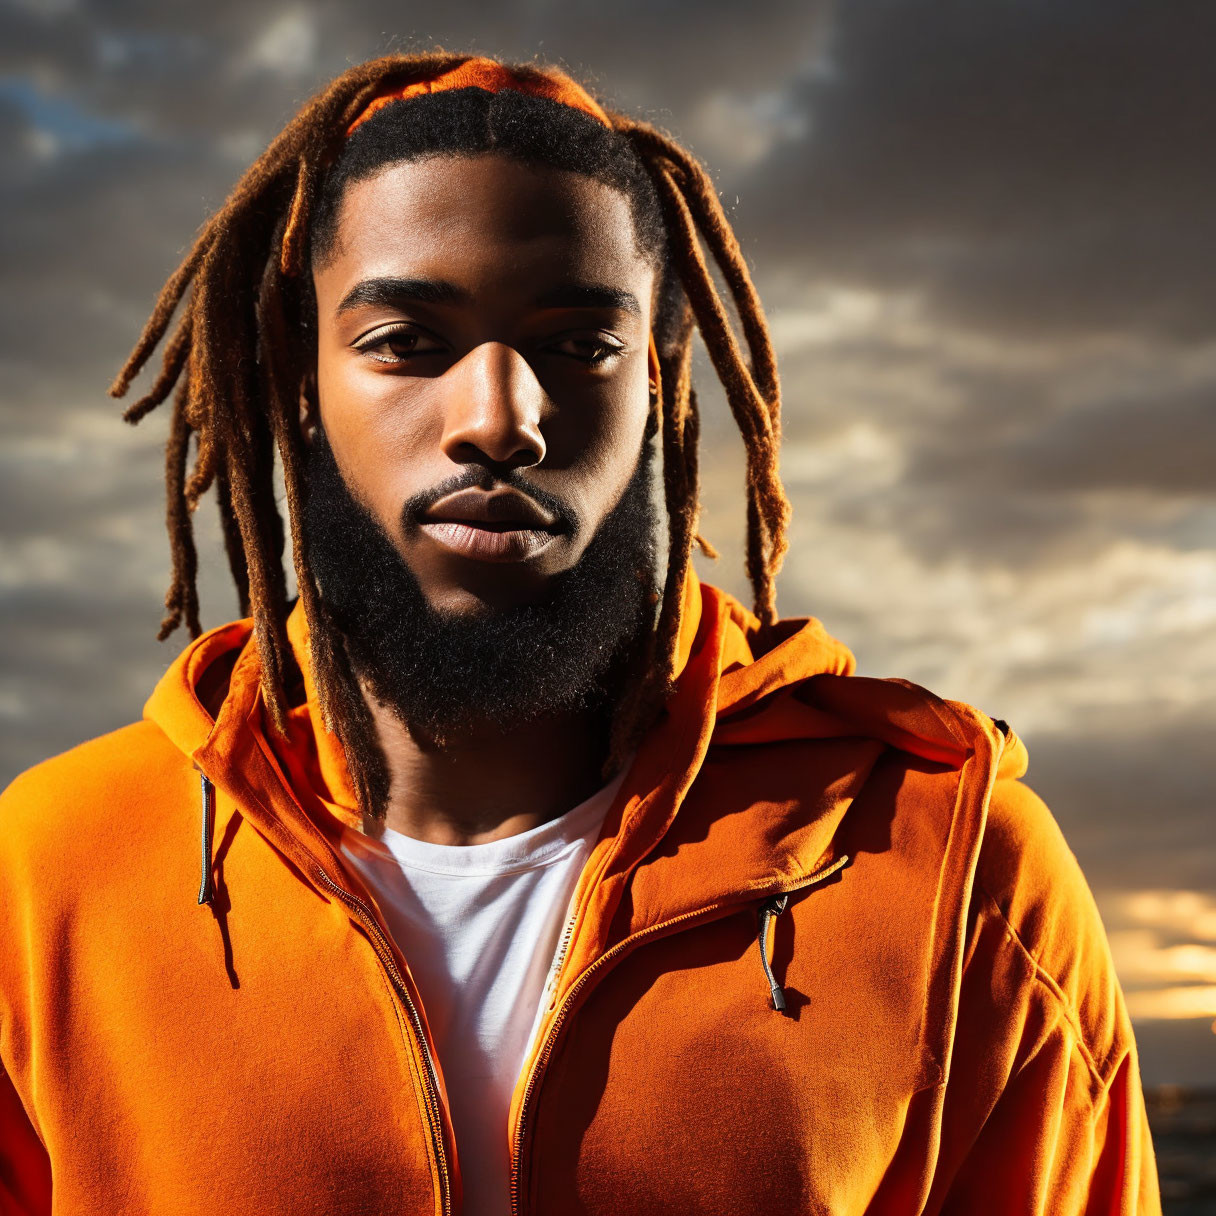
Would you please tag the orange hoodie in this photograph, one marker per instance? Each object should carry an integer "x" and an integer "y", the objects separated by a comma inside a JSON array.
[{"x": 953, "y": 1036}]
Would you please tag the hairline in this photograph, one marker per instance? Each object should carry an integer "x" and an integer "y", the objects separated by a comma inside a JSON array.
[{"x": 324, "y": 258}]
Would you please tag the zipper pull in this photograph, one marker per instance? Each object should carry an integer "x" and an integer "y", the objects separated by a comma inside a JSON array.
[{"x": 769, "y": 910}]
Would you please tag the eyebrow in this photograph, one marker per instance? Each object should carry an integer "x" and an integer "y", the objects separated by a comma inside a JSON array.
[
  {"x": 590, "y": 295},
  {"x": 388, "y": 292}
]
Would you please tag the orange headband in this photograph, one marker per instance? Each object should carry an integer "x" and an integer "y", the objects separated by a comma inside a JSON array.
[{"x": 493, "y": 77}]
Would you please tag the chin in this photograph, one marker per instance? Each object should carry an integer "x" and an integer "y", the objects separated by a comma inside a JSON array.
[{"x": 460, "y": 587}]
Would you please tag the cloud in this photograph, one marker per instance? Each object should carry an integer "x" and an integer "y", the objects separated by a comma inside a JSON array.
[
  {"x": 1164, "y": 945},
  {"x": 1033, "y": 167},
  {"x": 286, "y": 47},
  {"x": 1005, "y": 450}
]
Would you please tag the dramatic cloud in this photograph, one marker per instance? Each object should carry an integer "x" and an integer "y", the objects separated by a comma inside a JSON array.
[{"x": 1036, "y": 165}]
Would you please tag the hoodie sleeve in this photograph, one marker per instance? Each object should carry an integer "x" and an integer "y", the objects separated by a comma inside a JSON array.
[
  {"x": 1044, "y": 1113},
  {"x": 25, "y": 1170},
  {"x": 1056, "y": 1144}
]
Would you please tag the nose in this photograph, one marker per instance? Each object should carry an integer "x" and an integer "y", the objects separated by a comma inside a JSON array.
[{"x": 494, "y": 409}]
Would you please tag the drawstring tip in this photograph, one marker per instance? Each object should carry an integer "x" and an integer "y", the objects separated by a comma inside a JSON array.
[
  {"x": 206, "y": 890},
  {"x": 778, "y": 998}
]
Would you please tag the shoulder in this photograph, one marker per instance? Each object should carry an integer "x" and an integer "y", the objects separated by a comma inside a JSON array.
[
  {"x": 1029, "y": 881},
  {"x": 86, "y": 801}
]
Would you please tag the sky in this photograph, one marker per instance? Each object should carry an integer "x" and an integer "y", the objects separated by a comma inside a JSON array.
[{"x": 983, "y": 234}]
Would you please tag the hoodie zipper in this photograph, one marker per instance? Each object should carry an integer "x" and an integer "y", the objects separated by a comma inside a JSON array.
[
  {"x": 685, "y": 921},
  {"x": 433, "y": 1100}
]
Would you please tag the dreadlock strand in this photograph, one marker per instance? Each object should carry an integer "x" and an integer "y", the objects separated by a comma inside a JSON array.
[
  {"x": 267, "y": 590},
  {"x": 357, "y": 732},
  {"x": 768, "y": 519},
  {"x": 724, "y": 245},
  {"x": 205, "y": 457},
  {"x": 282, "y": 379},
  {"x": 234, "y": 550},
  {"x": 181, "y": 600},
  {"x": 744, "y": 396},
  {"x": 166, "y": 304},
  {"x": 676, "y": 496},
  {"x": 659, "y": 667},
  {"x": 692, "y": 441},
  {"x": 768, "y": 512},
  {"x": 227, "y": 390},
  {"x": 296, "y": 234},
  {"x": 692, "y": 427},
  {"x": 265, "y": 604},
  {"x": 177, "y": 352},
  {"x": 692, "y": 207},
  {"x": 203, "y": 474},
  {"x": 712, "y": 223},
  {"x": 754, "y": 558}
]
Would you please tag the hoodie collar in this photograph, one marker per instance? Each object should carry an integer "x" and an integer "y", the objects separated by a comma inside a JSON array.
[{"x": 738, "y": 684}]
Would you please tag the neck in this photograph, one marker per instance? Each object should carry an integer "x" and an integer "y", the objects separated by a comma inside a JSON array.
[{"x": 491, "y": 782}]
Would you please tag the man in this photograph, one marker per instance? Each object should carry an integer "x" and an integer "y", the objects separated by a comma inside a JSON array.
[{"x": 533, "y": 874}]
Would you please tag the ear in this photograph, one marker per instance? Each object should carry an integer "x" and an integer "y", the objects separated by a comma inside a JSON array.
[
  {"x": 656, "y": 379},
  {"x": 310, "y": 409},
  {"x": 654, "y": 417}
]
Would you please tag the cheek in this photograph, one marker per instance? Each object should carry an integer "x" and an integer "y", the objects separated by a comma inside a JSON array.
[
  {"x": 596, "y": 435},
  {"x": 381, "y": 429},
  {"x": 605, "y": 447}
]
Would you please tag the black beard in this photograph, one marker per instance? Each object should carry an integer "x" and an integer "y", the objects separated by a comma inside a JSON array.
[{"x": 446, "y": 675}]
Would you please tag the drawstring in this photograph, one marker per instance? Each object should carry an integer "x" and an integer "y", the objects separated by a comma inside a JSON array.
[
  {"x": 772, "y": 908},
  {"x": 205, "y": 890},
  {"x": 769, "y": 910}
]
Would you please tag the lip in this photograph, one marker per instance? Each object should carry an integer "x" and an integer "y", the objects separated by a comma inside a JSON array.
[
  {"x": 487, "y": 544},
  {"x": 504, "y": 508},
  {"x": 492, "y": 526}
]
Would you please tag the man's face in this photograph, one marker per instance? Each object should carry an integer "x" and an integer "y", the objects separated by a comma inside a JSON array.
[{"x": 482, "y": 368}]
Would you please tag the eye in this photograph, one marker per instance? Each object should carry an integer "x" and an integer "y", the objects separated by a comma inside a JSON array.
[
  {"x": 398, "y": 345},
  {"x": 591, "y": 349}
]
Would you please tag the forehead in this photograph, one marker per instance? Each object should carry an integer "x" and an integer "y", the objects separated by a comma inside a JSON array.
[{"x": 487, "y": 222}]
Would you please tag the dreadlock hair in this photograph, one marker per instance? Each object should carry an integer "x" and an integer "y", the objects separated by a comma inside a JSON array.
[{"x": 237, "y": 361}]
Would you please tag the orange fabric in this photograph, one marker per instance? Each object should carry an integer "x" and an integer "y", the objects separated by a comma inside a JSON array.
[
  {"x": 955, "y": 1038},
  {"x": 493, "y": 77}
]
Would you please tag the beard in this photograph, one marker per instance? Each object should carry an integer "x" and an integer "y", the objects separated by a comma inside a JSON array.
[{"x": 446, "y": 675}]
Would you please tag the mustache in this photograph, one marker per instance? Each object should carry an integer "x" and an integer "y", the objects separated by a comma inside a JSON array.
[{"x": 473, "y": 478}]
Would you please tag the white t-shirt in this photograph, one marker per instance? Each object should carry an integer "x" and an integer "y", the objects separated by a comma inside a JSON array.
[{"x": 479, "y": 926}]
